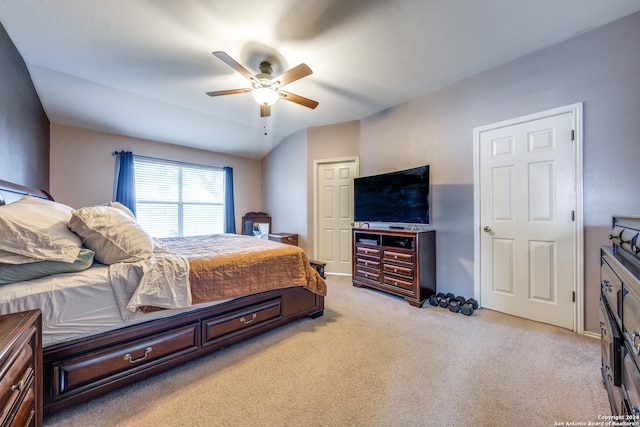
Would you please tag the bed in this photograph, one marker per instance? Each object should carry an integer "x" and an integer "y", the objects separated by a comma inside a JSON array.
[{"x": 114, "y": 323}]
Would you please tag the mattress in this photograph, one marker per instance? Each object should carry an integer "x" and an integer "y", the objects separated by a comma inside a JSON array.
[
  {"x": 75, "y": 305},
  {"x": 222, "y": 267}
]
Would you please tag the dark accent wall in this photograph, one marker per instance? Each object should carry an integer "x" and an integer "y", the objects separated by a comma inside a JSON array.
[{"x": 24, "y": 126}]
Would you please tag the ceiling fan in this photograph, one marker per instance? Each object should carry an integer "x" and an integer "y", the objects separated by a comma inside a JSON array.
[{"x": 265, "y": 88}]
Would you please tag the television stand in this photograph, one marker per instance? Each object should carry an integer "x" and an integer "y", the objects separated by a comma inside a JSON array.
[{"x": 400, "y": 262}]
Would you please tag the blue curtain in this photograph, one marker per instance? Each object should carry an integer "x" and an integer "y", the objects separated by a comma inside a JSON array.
[
  {"x": 229, "y": 214},
  {"x": 125, "y": 191}
]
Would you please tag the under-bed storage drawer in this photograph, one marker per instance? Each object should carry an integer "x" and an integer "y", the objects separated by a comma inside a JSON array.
[
  {"x": 219, "y": 328},
  {"x": 70, "y": 375}
]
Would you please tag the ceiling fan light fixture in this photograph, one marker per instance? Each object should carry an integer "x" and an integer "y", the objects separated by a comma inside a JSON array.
[
  {"x": 266, "y": 89},
  {"x": 265, "y": 95}
]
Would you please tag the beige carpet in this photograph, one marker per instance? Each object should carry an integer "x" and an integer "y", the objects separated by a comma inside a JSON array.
[{"x": 373, "y": 360}]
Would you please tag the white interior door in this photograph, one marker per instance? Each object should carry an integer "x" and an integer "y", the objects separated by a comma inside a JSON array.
[
  {"x": 528, "y": 203},
  {"x": 335, "y": 214}
]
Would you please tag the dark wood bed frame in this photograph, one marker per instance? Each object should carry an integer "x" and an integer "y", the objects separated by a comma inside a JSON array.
[{"x": 79, "y": 370}]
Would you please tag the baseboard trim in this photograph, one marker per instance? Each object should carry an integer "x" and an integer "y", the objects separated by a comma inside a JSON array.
[{"x": 591, "y": 335}]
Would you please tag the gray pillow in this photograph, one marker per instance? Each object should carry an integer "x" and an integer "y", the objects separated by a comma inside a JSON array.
[{"x": 10, "y": 273}]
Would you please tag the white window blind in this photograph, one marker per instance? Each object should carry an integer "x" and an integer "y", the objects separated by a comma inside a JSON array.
[{"x": 178, "y": 199}]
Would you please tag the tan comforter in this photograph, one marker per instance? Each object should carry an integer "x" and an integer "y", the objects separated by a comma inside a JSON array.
[{"x": 229, "y": 265}]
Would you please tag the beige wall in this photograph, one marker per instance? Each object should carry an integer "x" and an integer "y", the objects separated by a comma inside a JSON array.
[
  {"x": 285, "y": 187},
  {"x": 82, "y": 167},
  {"x": 433, "y": 130},
  {"x": 288, "y": 176},
  {"x": 600, "y": 68},
  {"x": 337, "y": 141}
]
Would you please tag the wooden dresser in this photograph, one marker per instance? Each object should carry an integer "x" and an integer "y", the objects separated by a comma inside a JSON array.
[
  {"x": 21, "y": 369},
  {"x": 400, "y": 262},
  {"x": 620, "y": 318}
]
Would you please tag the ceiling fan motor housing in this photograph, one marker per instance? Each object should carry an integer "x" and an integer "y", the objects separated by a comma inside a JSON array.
[{"x": 265, "y": 68}]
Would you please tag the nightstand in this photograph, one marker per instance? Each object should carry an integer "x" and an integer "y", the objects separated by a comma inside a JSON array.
[
  {"x": 288, "y": 238},
  {"x": 319, "y": 266},
  {"x": 21, "y": 369}
]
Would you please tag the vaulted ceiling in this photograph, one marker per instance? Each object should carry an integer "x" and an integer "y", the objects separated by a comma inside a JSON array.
[{"x": 141, "y": 68}]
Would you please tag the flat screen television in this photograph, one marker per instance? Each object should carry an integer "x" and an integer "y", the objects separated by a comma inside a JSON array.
[{"x": 395, "y": 197}]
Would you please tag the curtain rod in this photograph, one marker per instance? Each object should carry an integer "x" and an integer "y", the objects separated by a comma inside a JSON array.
[{"x": 115, "y": 153}]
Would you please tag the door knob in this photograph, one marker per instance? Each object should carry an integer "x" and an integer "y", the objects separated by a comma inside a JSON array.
[{"x": 486, "y": 228}]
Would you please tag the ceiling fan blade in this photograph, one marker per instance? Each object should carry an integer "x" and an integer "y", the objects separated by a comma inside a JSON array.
[
  {"x": 228, "y": 92},
  {"x": 265, "y": 110},
  {"x": 293, "y": 74},
  {"x": 234, "y": 64},
  {"x": 309, "y": 103}
]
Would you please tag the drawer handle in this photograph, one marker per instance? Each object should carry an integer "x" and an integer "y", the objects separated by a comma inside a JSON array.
[
  {"x": 246, "y": 322},
  {"x": 635, "y": 335},
  {"x": 19, "y": 386},
  {"x": 603, "y": 330},
  {"x": 139, "y": 359}
]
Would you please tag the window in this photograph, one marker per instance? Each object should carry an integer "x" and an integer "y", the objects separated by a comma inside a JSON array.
[{"x": 179, "y": 199}]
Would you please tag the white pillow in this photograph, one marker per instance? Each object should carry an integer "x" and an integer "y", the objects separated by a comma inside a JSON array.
[
  {"x": 38, "y": 228},
  {"x": 112, "y": 234},
  {"x": 7, "y": 257},
  {"x": 122, "y": 207}
]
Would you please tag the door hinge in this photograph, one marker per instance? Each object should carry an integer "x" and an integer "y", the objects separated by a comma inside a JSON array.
[
  {"x": 573, "y": 296},
  {"x": 573, "y": 135},
  {"x": 573, "y": 215}
]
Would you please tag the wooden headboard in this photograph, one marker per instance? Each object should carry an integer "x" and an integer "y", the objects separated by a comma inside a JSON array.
[{"x": 10, "y": 192}]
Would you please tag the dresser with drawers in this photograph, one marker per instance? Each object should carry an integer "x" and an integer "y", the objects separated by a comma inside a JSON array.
[
  {"x": 400, "y": 262},
  {"x": 21, "y": 369},
  {"x": 620, "y": 316}
]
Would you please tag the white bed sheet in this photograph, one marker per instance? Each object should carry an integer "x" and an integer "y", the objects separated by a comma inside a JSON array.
[{"x": 74, "y": 305}]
